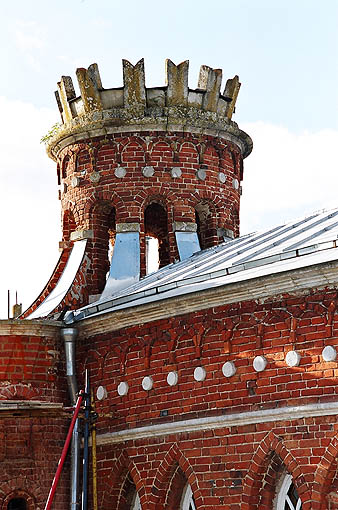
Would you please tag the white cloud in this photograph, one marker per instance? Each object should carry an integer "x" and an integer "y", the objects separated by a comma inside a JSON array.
[
  {"x": 29, "y": 209},
  {"x": 287, "y": 174}
]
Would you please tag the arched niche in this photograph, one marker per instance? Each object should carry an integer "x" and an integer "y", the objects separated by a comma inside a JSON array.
[
  {"x": 205, "y": 221},
  {"x": 83, "y": 163},
  {"x": 68, "y": 224},
  {"x": 65, "y": 166}
]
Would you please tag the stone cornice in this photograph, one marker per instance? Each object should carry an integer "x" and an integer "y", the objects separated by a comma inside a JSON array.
[
  {"x": 98, "y": 124},
  {"x": 216, "y": 422},
  {"x": 288, "y": 282}
]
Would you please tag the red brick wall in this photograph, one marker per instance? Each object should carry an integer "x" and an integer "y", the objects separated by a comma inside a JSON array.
[
  {"x": 31, "y": 369},
  {"x": 130, "y": 195},
  {"x": 242, "y": 460}
]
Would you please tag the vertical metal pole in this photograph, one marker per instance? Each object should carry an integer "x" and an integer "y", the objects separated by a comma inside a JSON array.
[
  {"x": 85, "y": 444},
  {"x": 94, "y": 462},
  {"x": 8, "y": 303},
  {"x": 64, "y": 453}
]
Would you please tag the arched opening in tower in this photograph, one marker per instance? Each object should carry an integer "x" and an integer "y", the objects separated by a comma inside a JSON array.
[
  {"x": 104, "y": 227},
  {"x": 205, "y": 228},
  {"x": 156, "y": 235}
]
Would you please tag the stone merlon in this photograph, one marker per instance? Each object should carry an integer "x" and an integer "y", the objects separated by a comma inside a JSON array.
[{"x": 133, "y": 107}]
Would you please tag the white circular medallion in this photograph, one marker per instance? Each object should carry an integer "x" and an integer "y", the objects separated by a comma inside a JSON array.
[
  {"x": 101, "y": 393},
  {"x": 199, "y": 374},
  {"x": 147, "y": 383},
  {"x": 222, "y": 177},
  {"x": 235, "y": 183},
  {"x": 201, "y": 174},
  {"x": 120, "y": 172},
  {"x": 148, "y": 171},
  {"x": 172, "y": 378},
  {"x": 329, "y": 353},
  {"x": 228, "y": 369},
  {"x": 292, "y": 358},
  {"x": 259, "y": 363},
  {"x": 75, "y": 182},
  {"x": 123, "y": 388},
  {"x": 176, "y": 172}
]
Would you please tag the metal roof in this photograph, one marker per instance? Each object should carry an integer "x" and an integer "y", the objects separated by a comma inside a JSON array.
[
  {"x": 298, "y": 244},
  {"x": 64, "y": 283}
]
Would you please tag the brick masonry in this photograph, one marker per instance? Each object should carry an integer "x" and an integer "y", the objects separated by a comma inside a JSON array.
[
  {"x": 31, "y": 372},
  {"x": 230, "y": 467},
  {"x": 87, "y": 201},
  {"x": 231, "y": 438}
]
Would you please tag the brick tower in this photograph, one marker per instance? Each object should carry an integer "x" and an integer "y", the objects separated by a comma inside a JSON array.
[{"x": 136, "y": 163}]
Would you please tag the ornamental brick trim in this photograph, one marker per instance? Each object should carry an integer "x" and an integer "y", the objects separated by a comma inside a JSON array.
[
  {"x": 112, "y": 485},
  {"x": 164, "y": 474},
  {"x": 253, "y": 489},
  {"x": 325, "y": 474}
]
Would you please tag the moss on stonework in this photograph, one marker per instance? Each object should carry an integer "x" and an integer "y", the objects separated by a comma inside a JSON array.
[{"x": 51, "y": 133}]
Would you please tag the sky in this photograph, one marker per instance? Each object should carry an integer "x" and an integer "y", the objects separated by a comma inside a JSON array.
[{"x": 285, "y": 53}]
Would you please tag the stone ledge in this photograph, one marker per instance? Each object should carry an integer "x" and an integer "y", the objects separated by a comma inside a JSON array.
[
  {"x": 78, "y": 235},
  {"x": 216, "y": 422},
  {"x": 127, "y": 227}
]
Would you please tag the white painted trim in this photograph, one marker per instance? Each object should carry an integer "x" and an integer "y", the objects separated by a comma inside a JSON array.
[
  {"x": 283, "y": 495},
  {"x": 216, "y": 422},
  {"x": 187, "y": 502}
]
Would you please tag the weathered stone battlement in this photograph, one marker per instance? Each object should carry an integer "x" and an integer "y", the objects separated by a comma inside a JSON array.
[{"x": 133, "y": 107}]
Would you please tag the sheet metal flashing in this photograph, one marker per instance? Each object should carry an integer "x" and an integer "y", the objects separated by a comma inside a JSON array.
[{"x": 245, "y": 258}]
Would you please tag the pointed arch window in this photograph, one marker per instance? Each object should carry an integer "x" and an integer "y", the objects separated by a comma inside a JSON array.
[
  {"x": 187, "y": 501},
  {"x": 288, "y": 498},
  {"x": 136, "y": 504}
]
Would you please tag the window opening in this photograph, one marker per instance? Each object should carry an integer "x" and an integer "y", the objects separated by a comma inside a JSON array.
[
  {"x": 129, "y": 498},
  {"x": 136, "y": 504},
  {"x": 17, "y": 504},
  {"x": 288, "y": 498},
  {"x": 156, "y": 234},
  {"x": 111, "y": 231},
  {"x": 152, "y": 252},
  {"x": 187, "y": 502}
]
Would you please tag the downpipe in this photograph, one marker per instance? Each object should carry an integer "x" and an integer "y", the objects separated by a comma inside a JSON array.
[{"x": 69, "y": 336}]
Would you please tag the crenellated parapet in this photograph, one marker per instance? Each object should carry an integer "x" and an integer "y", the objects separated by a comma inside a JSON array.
[{"x": 134, "y": 107}]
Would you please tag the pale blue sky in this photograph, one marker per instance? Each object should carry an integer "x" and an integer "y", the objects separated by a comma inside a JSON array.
[{"x": 285, "y": 53}]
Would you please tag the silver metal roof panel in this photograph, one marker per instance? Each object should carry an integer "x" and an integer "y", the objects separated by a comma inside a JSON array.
[{"x": 244, "y": 258}]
